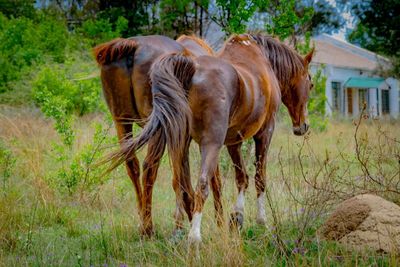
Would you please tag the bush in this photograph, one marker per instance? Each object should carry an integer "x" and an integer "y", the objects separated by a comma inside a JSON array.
[
  {"x": 317, "y": 102},
  {"x": 76, "y": 168},
  {"x": 102, "y": 30},
  {"x": 60, "y": 97},
  {"x": 24, "y": 42},
  {"x": 7, "y": 163}
]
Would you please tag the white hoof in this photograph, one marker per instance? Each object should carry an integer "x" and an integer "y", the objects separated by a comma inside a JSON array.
[
  {"x": 194, "y": 239},
  {"x": 261, "y": 217},
  {"x": 194, "y": 233},
  {"x": 261, "y": 220}
]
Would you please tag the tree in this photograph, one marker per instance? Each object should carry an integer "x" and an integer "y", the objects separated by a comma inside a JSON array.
[
  {"x": 293, "y": 19},
  {"x": 287, "y": 19},
  {"x": 182, "y": 16},
  {"x": 378, "y": 29},
  {"x": 232, "y": 15},
  {"x": 17, "y": 8}
]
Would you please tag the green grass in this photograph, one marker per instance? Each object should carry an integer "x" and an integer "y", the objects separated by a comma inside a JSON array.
[{"x": 41, "y": 225}]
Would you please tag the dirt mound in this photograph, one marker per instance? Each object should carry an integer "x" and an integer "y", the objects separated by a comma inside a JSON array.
[{"x": 365, "y": 221}]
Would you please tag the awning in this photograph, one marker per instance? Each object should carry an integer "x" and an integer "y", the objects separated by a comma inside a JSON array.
[{"x": 364, "y": 82}]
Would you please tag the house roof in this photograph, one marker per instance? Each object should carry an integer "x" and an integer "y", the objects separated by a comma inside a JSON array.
[
  {"x": 364, "y": 82},
  {"x": 332, "y": 51}
]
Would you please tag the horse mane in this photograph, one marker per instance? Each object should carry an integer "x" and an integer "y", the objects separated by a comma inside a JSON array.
[
  {"x": 286, "y": 62},
  {"x": 114, "y": 50},
  {"x": 198, "y": 40}
]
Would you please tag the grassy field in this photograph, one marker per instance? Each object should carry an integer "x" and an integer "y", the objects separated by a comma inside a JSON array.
[{"x": 96, "y": 223}]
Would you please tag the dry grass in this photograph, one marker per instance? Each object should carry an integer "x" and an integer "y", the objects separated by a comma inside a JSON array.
[{"x": 40, "y": 225}]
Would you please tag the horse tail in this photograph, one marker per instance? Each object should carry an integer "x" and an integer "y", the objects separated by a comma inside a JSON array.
[
  {"x": 170, "y": 119},
  {"x": 114, "y": 50}
]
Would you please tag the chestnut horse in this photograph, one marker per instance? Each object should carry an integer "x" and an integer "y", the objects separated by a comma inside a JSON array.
[
  {"x": 125, "y": 64},
  {"x": 225, "y": 100}
]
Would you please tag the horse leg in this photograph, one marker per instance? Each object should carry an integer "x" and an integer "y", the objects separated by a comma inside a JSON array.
[
  {"x": 262, "y": 142},
  {"x": 150, "y": 168},
  {"x": 242, "y": 182},
  {"x": 132, "y": 164},
  {"x": 209, "y": 163},
  {"x": 183, "y": 191},
  {"x": 216, "y": 186}
]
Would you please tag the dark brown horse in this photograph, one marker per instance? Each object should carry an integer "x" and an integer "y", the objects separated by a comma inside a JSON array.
[
  {"x": 225, "y": 100},
  {"x": 125, "y": 65}
]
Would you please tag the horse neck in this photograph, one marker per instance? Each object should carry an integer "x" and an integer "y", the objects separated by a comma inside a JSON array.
[{"x": 285, "y": 75}]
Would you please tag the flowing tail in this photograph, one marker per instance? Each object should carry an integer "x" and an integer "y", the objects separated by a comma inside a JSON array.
[{"x": 170, "y": 119}]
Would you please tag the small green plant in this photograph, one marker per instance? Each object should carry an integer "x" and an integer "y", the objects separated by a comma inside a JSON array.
[
  {"x": 60, "y": 97},
  {"x": 76, "y": 168},
  {"x": 53, "y": 92},
  {"x": 317, "y": 102},
  {"x": 7, "y": 163}
]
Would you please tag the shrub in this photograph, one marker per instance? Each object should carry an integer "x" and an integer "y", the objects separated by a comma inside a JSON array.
[
  {"x": 60, "y": 97},
  {"x": 24, "y": 42},
  {"x": 317, "y": 102},
  {"x": 102, "y": 30},
  {"x": 7, "y": 163},
  {"x": 76, "y": 168}
]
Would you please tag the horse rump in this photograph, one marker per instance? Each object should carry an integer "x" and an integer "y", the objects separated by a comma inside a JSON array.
[
  {"x": 114, "y": 50},
  {"x": 170, "y": 119}
]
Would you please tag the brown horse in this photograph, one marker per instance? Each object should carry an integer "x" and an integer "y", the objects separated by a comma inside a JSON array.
[
  {"x": 125, "y": 65},
  {"x": 225, "y": 100}
]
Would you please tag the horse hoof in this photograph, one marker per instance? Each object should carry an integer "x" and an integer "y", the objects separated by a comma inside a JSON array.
[
  {"x": 261, "y": 220},
  {"x": 146, "y": 231},
  {"x": 194, "y": 239},
  {"x": 194, "y": 248},
  {"x": 236, "y": 221}
]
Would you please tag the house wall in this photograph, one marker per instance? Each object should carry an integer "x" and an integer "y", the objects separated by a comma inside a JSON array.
[
  {"x": 337, "y": 74},
  {"x": 373, "y": 102},
  {"x": 394, "y": 97}
]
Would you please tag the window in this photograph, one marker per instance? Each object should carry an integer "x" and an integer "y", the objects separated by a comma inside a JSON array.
[
  {"x": 336, "y": 87},
  {"x": 385, "y": 102}
]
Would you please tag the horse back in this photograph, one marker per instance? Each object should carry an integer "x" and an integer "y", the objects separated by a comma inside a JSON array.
[
  {"x": 225, "y": 96},
  {"x": 195, "y": 45}
]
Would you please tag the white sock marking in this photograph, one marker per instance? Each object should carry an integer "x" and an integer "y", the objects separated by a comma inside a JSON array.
[
  {"x": 261, "y": 217},
  {"x": 240, "y": 202},
  {"x": 194, "y": 233}
]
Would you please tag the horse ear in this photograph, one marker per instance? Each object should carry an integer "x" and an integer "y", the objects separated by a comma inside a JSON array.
[{"x": 309, "y": 56}]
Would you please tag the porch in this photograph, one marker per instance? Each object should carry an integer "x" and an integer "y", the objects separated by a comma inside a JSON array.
[{"x": 357, "y": 91}]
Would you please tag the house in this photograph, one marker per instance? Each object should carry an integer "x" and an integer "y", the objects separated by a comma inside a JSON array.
[{"x": 353, "y": 79}]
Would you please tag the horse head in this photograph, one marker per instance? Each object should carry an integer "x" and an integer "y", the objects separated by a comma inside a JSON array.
[{"x": 296, "y": 98}]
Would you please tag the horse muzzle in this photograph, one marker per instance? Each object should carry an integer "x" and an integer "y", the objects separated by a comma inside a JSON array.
[{"x": 301, "y": 130}]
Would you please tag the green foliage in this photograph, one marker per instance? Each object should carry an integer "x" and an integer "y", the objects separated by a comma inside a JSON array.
[
  {"x": 286, "y": 20},
  {"x": 18, "y": 8},
  {"x": 7, "y": 163},
  {"x": 378, "y": 29},
  {"x": 51, "y": 92},
  {"x": 134, "y": 11},
  {"x": 64, "y": 92},
  {"x": 24, "y": 43},
  {"x": 317, "y": 102},
  {"x": 174, "y": 16},
  {"x": 234, "y": 14},
  {"x": 76, "y": 167},
  {"x": 60, "y": 97},
  {"x": 102, "y": 30}
]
